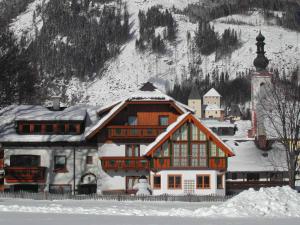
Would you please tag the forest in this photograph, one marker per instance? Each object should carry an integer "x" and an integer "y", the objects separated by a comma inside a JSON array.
[{"x": 75, "y": 41}]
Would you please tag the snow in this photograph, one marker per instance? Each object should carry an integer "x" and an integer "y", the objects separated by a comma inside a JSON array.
[
  {"x": 276, "y": 202},
  {"x": 216, "y": 123},
  {"x": 24, "y": 24},
  {"x": 9, "y": 115},
  {"x": 249, "y": 158},
  {"x": 212, "y": 93}
]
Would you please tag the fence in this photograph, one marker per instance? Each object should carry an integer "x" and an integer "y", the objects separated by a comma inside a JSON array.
[{"x": 181, "y": 198}]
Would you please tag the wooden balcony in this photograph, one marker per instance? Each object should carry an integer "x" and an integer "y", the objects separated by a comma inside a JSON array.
[
  {"x": 25, "y": 174},
  {"x": 140, "y": 132},
  {"x": 124, "y": 163},
  {"x": 188, "y": 163},
  {"x": 243, "y": 185}
]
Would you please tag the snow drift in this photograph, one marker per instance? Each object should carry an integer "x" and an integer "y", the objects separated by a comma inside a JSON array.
[{"x": 267, "y": 202}]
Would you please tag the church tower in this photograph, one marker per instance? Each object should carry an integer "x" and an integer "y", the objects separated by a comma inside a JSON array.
[
  {"x": 260, "y": 79},
  {"x": 194, "y": 102}
]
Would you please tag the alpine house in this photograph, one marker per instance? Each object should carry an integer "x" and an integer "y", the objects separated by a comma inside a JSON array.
[{"x": 106, "y": 150}]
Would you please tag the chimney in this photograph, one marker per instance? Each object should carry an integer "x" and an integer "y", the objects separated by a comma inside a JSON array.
[{"x": 56, "y": 103}]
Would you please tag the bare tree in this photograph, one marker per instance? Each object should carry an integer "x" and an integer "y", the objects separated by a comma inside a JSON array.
[{"x": 278, "y": 112}]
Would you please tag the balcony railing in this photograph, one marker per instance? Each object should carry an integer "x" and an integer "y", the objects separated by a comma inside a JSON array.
[
  {"x": 121, "y": 132},
  {"x": 124, "y": 163},
  {"x": 189, "y": 162},
  {"x": 25, "y": 174}
]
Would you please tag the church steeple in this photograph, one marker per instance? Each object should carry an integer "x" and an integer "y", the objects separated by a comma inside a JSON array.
[{"x": 260, "y": 62}]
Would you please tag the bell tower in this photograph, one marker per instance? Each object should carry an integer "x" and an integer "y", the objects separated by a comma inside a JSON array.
[{"x": 260, "y": 79}]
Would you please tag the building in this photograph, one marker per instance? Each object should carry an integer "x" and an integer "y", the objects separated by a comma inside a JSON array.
[
  {"x": 210, "y": 108},
  {"x": 84, "y": 149},
  {"x": 195, "y": 102}
]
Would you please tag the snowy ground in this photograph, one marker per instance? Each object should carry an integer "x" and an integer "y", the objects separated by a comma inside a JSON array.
[{"x": 267, "y": 206}]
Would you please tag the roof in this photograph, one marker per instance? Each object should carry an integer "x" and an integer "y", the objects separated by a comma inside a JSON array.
[
  {"x": 194, "y": 94},
  {"x": 10, "y": 114},
  {"x": 216, "y": 123},
  {"x": 154, "y": 95},
  {"x": 212, "y": 93},
  {"x": 179, "y": 122},
  {"x": 40, "y": 113},
  {"x": 249, "y": 158}
]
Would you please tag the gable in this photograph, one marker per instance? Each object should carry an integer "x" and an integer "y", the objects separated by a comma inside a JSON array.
[
  {"x": 118, "y": 109},
  {"x": 190, "y": 130}
]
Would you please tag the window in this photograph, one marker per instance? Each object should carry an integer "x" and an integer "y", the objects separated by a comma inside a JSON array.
[
  {"x": 163, "y": 151},
  {"x": 49, "y": 128},
  {"x": 72, "y": 128},
  {"x": 25, "y": 160},
  {"x": 174, "y": 181},
  {"x": 60, "y": 162},
  {"x": 180, "y": 155},
  {"x": 199, "y": 156},
  {"x": 37, "y": 128},
  {"x": 276, "y": 176},
  {"x": 213, "y": 149},
  {"x": 163, "y": 120},
  {"x": 89, "y": 159},
  {"x": 132, "y": 120},
  {"x": 26, "y": 128},
  {"x": 197, "y": 134},
  {"x": 220, "y": 181},
  {"x": 156, "y": 182},
  {"x": 252, "y": 176},
  {"x": 132, "y": 150},
  {"x": 203, "y": 181},
  {"x": 181, "y": 134},
  {"x": 61, "y": 128}
]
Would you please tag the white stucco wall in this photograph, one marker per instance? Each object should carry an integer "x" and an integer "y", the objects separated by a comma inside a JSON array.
[
  {"x": 212, "y": 100},
  {"x": 213, "y": 113},
  {"x": 188, "y": 175},
  {"x": 47, "y": 160},
  {"x": 196, "y": 104}
]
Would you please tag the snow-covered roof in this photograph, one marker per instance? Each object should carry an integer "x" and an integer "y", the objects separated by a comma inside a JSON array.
[
  {"x": 216, "y": 123},
  {"x": 140, "y": 95},
  {"x": 212, "y": 93},
  {"x": 10, "y": 114},
  {"x": 175, "y": 124},
  {"x": 40, "y": 113},
  {"x": 249, "y": 158},
  {"x": 213, "y": 107}
]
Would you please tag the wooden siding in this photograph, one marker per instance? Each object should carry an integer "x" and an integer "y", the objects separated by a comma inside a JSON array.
[
  {"x": 124, "y": 163},
  {"x": 134, "y": 132}
]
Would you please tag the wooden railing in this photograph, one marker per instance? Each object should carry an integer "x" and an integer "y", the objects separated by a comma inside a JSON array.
[
  {"x": 121, "y": 132},
  {"x": 251, "y": 184},
  {"x": 25, "y": 174},
  {"x": 124, "y": 163},
  {"x": 188, "y": 162}
]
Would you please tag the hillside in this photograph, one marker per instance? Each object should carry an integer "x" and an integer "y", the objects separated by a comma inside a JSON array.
[{"x": 124, "y": 71}]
